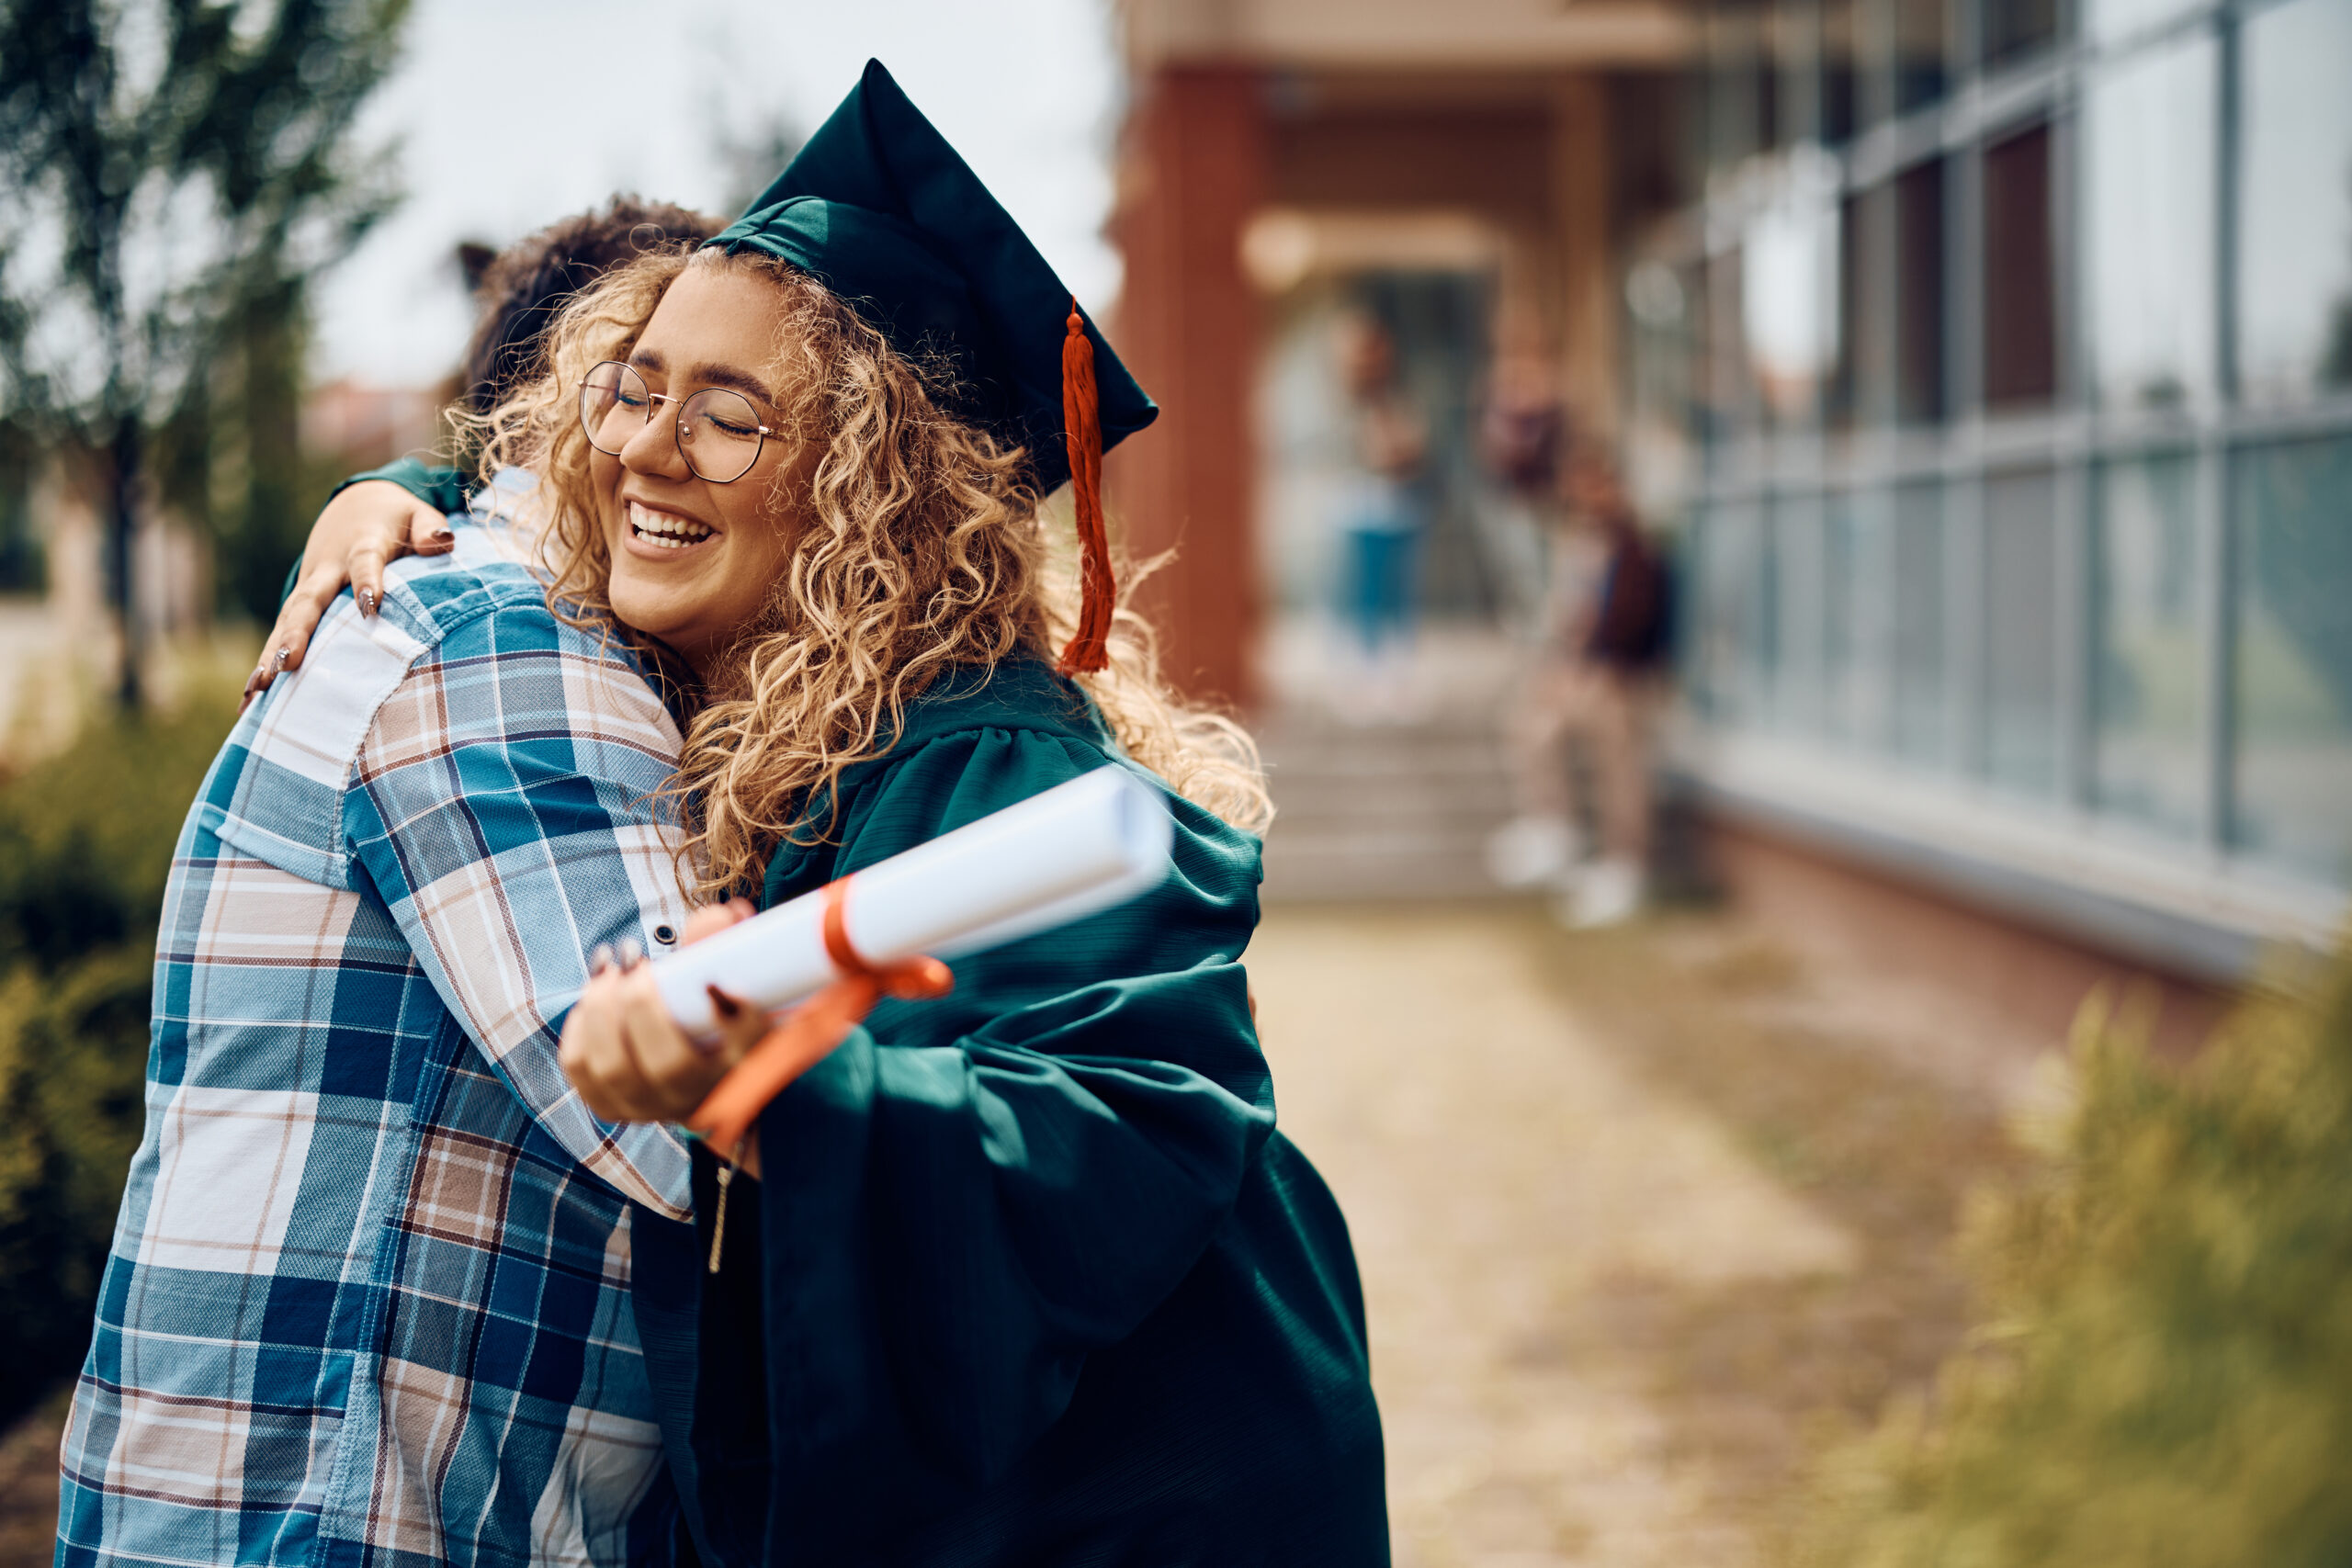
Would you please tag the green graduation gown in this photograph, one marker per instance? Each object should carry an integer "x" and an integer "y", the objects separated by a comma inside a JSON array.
[{"x": 1031, "y": 1279}]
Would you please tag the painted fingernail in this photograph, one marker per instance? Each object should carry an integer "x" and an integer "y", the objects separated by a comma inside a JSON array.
[
  {"x": 727, "y": 1006},
  {"x": 367, "y": 602},
  {"x": 443, "y": 535},
  {"x": 278, "y": 661},
  {"x": 600, "y": 959},
  {"x": 632, "y": 954}
]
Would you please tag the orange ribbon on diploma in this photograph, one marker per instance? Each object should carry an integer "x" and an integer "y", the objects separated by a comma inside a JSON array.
[
  {"x": 809, "y": 1033},
  {"x": 1083, "y": 846}
]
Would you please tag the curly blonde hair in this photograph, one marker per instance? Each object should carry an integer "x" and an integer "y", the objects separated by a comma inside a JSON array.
[{"x": 921, "y": 552}]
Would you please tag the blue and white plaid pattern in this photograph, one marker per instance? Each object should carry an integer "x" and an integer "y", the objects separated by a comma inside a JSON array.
[{"x": 368, "y": 1302}]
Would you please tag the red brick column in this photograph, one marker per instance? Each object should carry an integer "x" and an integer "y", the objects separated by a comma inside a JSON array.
[{"x": 1195, "y": 170}]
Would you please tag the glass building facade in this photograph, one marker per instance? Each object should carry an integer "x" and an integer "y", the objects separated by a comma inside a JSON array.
[{"x": 2010, "y": 348}]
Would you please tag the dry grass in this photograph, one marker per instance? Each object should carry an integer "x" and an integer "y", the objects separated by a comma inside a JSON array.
[
  {"x": 28, "y": 1486},
  {"x": 1752, "y": 1379}
]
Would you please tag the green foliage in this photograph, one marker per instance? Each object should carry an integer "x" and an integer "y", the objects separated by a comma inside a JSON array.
[
  {"x": 260, "y": 492},
  {"x": 87, "y": 836},
  {"x": 173, "y": 174},
  {"x": 85, "y": 844},
  {"x": 73, "y": 1051},
  {"x": 215, "y": 136},
  {"x": 2165, "y": 1378}
]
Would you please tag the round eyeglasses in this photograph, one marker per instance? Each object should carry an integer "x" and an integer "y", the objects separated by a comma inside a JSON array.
[{"x": 719, "y": 432}]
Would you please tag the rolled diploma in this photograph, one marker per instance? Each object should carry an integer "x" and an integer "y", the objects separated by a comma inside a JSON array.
[{"x": 1098, "y": 840}]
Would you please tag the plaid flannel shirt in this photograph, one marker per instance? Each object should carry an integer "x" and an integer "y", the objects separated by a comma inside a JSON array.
[{"x": 368, "y": 1301}]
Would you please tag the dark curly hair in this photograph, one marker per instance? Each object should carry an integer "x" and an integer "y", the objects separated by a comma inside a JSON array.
[{"x": 522, "y": 288}]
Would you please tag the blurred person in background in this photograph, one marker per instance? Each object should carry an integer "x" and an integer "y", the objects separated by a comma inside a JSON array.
[
  {"x": 1381, "y": 520},
  {"x": 1522, "y": 433},
  {"x": 1079, "y": 1299},
  {"x": 1595, "y": 685}
]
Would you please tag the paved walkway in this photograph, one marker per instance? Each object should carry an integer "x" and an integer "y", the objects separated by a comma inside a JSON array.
[{"x": 1587, "y": 1252}]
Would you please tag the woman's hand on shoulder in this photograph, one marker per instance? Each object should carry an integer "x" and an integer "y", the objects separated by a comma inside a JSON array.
[
  {"x": 366, "y": 526},
  {"x": 625, "y": 1054}
]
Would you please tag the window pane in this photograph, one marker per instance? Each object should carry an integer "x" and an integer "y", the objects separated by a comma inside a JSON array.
[
  {"x": 1865, "y": 226},
  {"x": 1922, "y": 48},
  {"x": 2020, "y": 315},
  {"x": 2107, "y": 21},
  {"x": 2148, "y": 283},
  {"x": 2294, "y": 285},
  {"x": 2146, "y": 659},
  {"x": 2021, "y": 630},
  {"x": 1841, "y": 65},
  {"x": 1841, "y": 599},
  {"x": 2014, "y": 28},
  {"x": 1732, "y": 647},
  {"x": 1759, "y": 619},
  {"x": 1730, "y": 390},
  {"x": 1740, "y": 97},
  {"x": 2294, "y": 662},
  {"x": 1789, "y": 288},
  {"x": 1919, "y": 687},
  {"x": 1839, "y": 398},
  {"x": 1793, "y": 39},
  {"x": 1698, "y": 643},
  {"x": 1920, "y": 295},
  {"x": 1796, "y": 538}
]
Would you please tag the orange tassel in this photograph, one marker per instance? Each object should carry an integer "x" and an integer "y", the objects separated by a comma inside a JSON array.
[{"x": 1089, "y": 646}]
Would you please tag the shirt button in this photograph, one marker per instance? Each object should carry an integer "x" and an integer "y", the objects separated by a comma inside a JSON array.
[{"x": 664, "y": 935}]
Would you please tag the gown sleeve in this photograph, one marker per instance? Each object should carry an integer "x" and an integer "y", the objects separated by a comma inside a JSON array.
[
  {"x": 972, "y": 1193},
  {"x": 443, "y": 488},
  {"x": 436, "y": 487}
]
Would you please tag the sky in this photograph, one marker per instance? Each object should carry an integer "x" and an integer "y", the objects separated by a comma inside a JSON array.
[{"x": 510, "y": 114}]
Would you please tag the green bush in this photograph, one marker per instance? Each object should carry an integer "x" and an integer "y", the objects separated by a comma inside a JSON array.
[
  {"x": 2165, "y": 1375},
  {"x": 85, "y": 844},
  {"x": 87, "y": 836}
]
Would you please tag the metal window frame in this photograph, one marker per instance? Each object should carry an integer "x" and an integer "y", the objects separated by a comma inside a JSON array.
[{"x": 2074, "y": 437}]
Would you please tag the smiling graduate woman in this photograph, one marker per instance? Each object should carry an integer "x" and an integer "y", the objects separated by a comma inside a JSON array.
[{"x": 1027, "y": 1275}]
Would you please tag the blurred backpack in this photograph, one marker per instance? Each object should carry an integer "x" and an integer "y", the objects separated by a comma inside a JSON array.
[{"x": 1634, "y": 627}]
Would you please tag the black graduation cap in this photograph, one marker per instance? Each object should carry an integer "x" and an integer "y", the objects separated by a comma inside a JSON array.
[{"x": 879, "y": 208}]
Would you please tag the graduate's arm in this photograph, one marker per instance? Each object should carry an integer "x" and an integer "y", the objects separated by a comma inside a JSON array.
[
  {"x": 371, "y": 519},
  {"x": 1016, "y": 1209},
  {"x": 503, "y": 805},
  {"x": 972, "y": 1194}
]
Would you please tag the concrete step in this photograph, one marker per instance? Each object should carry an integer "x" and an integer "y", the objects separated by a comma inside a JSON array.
[
  {"x": 1480, "y": 735},
  {"x": 1373, "y": 766},
  {"x": 1432, "y": 774},
  {"x": 1445, "y": 759},
  {"x": 1336, "y": 866},
  {"x": 1383, "y": 811},
  {"x": 1393, "y": 804}
]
